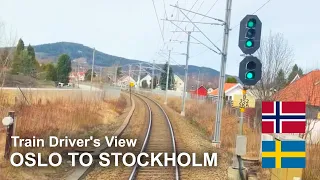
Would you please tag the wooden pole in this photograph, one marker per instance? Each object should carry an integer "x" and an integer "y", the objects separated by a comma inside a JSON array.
[{"x": 10, "y": 130}]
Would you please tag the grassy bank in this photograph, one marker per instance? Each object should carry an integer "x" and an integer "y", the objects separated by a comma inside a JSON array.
[
  {"x": 203, "y": 116},
  {"x": 65, "y": 113}
]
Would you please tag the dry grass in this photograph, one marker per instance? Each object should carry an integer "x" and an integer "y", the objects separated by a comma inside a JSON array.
[
  {"x": 60, "y": 113},
  {"x": 203, "y": 115},
  {"x": 312, "y": 172}
]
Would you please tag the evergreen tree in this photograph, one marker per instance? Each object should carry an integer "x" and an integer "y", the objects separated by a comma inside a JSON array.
[
  {"x": 280, "y": 80},
  {"x": 155, "y": 82},
  {"x": 63, "y": 68},
  {"x": 300, "y": 72},
  {"x": 163, "y": 78},
  {"x": 32, "y": 62},
  {"x": 119, "y": 72},
  {"x": 17, "y": 62},
  {"x": 231, "y": 80},
  {"x": 20, "y": 46},
  {"x": 295, "y": 70},
  {"x": 87, "y": 75},
  {"x": 31, "y": 52},
  {"x": 144, "y": 84},
  {"x": 26, "y": 66},
  {"x": 51, "y": 72}
]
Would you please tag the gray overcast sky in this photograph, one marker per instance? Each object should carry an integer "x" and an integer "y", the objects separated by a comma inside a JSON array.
[{"x": 129, "y": 28}]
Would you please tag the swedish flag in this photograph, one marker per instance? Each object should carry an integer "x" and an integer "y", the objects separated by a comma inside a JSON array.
[{"x": 283, "y": 154}]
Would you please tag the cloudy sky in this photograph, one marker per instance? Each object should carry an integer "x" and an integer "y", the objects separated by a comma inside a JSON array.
[{"x": 129, "y": 28}]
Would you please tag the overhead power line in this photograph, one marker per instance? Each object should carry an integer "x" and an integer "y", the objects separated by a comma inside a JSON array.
[
  {"x": 252, "y": 13},
  {"x": 201, "y": 31},
  {"x": 191, "y": 19},
  {"x": 198, "y": 13},
  {"x": 195, "y": 38},
  {"x": 155, "y": 10},
  {"x": 233, "y": 28},
  {"x": 184, "y": 17},
  {"x": 164, "y": 6},
  {"x": 210, "y": 9}
]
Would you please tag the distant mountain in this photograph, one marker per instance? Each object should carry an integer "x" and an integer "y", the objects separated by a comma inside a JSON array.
[{"x": 75, "y": 51}]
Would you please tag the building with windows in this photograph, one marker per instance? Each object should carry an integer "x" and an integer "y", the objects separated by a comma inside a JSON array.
[
  {"x": 178, "y": 83},
  {"x": 230, "y": 89}
]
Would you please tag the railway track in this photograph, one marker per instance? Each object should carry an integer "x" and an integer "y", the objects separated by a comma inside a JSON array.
[
  {"x": 81, "y": 172},
  {"x": 159, "y": 138}
]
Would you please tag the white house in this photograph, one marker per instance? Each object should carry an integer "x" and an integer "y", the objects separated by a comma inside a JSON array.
[
  {"x": 178, "y": 83},
  {"x": 125, "y": 80},
  {"x": 210, "y": 90},
  {"x": 230, "y": 89},
  {"x": 146, "y": 78},
  {"x": 75, "y": 76}
]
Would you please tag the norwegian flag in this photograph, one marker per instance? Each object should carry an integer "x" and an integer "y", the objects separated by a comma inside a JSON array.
[{"x": 283, "y": 117}]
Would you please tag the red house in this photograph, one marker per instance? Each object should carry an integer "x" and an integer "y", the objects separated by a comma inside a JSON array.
[{"x": 201, "y": 92}]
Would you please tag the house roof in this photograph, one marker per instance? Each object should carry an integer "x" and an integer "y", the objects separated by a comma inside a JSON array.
[
  {"x": 177, "y": 78},
  {"x": 76, "y": 73},
  {"x": 295, "y": 78},
  {"x": 144, "y": 76},
  {"x": 201, "y": 87},
  {"x": 227, "y": 86},
  {"x": 126, "y": 79},
  {"x": 307, "y": 88}
]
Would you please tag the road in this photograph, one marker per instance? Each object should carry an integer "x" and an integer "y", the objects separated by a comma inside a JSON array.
[{"x": 81, "y": 86}]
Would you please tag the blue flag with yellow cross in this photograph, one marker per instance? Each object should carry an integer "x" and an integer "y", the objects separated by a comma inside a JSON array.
[{"x": 283, "y": 154}]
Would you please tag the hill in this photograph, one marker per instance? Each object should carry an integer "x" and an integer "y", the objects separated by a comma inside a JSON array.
[{"x": 75, "y": 51}]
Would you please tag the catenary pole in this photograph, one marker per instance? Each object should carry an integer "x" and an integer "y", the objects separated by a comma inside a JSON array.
[
  {"x": 216, "y": 135},
  {"x": 198, "y": 84},
  {"x": 92, "y": 69},
  {"x": 139, "y": 76},
  {"x": 152, "y": 76},
  {"x": 78, "y": 74},
  {"x": 115, "y": 75},
  {"x": 167, "y": 80},
  {"x": 185, "y": 77}
]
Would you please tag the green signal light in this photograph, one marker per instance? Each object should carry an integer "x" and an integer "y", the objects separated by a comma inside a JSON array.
[
  {"x": 249, "y": 75},
  {"x": 249, "y": 43},
  {"x": 251, "y": 23}
]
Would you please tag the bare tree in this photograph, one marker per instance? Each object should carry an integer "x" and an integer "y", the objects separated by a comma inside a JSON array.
[
  {"x": 275, "y": 54},
  {"x": 7, "y": 42}
]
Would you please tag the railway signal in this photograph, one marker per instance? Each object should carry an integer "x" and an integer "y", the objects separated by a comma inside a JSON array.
[
  {"x": 250, "y": 70},
  {"x": 250, "y": 34}
]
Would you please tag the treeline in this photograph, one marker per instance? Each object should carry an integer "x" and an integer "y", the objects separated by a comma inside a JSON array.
[
  {"x": 24, "y": 60},
  {"x": 282, "y": 81},
  {"x": 25, "y": 63}
]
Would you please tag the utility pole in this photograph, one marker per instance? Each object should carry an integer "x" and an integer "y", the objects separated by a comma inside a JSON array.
[
  {"x": 78, "y": 74},
  {"x": 167, "y": 81},
  {"x": 139, "y": 76},
  {"x": 129, "y": 73},
  {"x": 198, "y": 86},
  {"x": 92, "y": 69},
  {"x": 185, "y": 77},
  {"x": 100, "y": 74},
  {"x": 115, "y": 75},
  {"x": 216, "y": 135},
  {"x": 152, "y": 76},
  {"x": 130, "y": 82}
]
